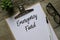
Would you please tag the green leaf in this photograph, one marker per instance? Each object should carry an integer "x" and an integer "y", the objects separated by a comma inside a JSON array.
[{"x": 6, "y": 4}]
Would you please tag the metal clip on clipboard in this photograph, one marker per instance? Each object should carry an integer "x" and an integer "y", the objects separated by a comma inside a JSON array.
[{"x": 23, "y": 11}]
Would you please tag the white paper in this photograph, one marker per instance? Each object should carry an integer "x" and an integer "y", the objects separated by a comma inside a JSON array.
[{"x": 35, "y": 28}]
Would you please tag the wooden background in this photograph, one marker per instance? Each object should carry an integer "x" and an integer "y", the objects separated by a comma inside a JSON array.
[{"x": 5, "y": 32}]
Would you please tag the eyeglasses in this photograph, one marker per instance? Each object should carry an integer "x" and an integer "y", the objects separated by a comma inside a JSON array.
[{"x": 53, "y": 12}]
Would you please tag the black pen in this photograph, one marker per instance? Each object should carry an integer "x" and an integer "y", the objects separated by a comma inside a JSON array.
[{"x": 47, "y": 20}]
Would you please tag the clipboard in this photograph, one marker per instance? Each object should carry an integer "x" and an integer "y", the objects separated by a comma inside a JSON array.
[{"x": 32, "y": 26}]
